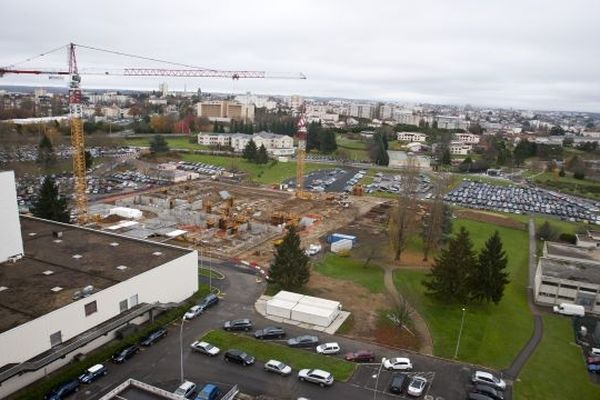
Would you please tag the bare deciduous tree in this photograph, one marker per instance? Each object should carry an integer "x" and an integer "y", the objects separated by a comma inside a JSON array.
[{"x": 433, "y": 221}]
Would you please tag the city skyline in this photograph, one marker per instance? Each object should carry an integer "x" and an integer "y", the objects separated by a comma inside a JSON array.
[{"x": 508, "y": 55}]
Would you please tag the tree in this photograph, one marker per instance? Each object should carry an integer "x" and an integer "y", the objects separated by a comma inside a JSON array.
[
  {"x": 89, "y": 159},
  {"x": 446, "y": 157},
  {"x": 449, "y": 277},
  {"x": 261, "y": 156},
  {"x": 466, "y": 164},
  {"x": 489, "y": 278},
  {"x": 557, "y": 130},
  {"x": 328, "y": 143},
  {"x": 437, "y": 223},
  {"x": 250, "y": 151},
  {"x": 475, "y": 128},
  {"x": 523, "y": 150},
  {"x": 215, "y": 127},
  {"x": 49, "y": 204},
  {"x": 377, "y": 151},
  {"x": 158, "y": 144},
  {"x": 547, "y": 232},
  {"x": 46, "y": 155},
  {"x": 290, "y": 269},
  {"x": 561, "y": 173},
  {"x": 402, "y": 224}
]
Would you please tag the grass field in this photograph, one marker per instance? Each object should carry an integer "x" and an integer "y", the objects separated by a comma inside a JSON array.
[
  {"x": 557, "y": 369},
  {"x": 271, "y": 173},
  {"x": 568, "y": 184},
  {"x": 295, "y": 358},
  {"x": 356, "y": 149},
  {"x": 174, "y": 143},
  {"x": 492, "y": 335},
  {"x": 370, "y": 277}
]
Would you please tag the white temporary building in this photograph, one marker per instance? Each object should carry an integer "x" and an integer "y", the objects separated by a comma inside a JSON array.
[
  {"x": 280, "y": 308},
  {"x": 313, "y": 314},
  {"x": 341, "y": 246},
  {"x": 301, "y": 308},
  {"x": 126, "y": 212}
]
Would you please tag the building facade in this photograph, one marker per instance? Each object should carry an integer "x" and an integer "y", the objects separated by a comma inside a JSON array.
[
  {"x": 361, "y": 110},
  {"x": 467, "y": 138},
  {"x": 411, "y": 137},
  {"x": 276, "y": 145},
  {"x": 225, "y": 110}
]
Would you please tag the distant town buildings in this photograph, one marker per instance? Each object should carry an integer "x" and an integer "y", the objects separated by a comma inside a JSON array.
[
  {"x": 411, "y": 137},
  {"x": 402, "y": 159},
  {"x": 361, "y": 110},
  {"x": 295, "y": 102},
  {"x": 467, "y": 138},
  {"x": 225, "y": 111},
  {"x": 163, "y": 88},
  {"x": 459, "y": 148}
]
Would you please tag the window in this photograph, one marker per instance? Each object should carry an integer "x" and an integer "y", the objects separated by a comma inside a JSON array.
[
  {"x": 587, "y": 290},
  {"x": 568, "y": 287},
  {"x": 133, "y": 301},
  {"x": 548, "y": 283},
  {"x": 55, "y": 339},
  {"x": 123, "y": 305},
  {"x": 91, "y": 308},
  {"x": 566, "y": 298}
]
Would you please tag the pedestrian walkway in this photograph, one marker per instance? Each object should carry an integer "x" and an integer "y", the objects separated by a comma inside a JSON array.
[{"x": 426, "y": 343}]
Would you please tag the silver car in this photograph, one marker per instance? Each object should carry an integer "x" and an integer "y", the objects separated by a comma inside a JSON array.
[{"x": 318, "y": 376}]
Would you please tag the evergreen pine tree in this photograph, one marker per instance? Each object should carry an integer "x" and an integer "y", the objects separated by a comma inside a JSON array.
[
  {"x": 261, "y": 156},
  {"x": 216, "y": 127},
  {"x": 158, "y": 144},
  {"x": 489, "y": 279},
  {"x": 290, "y": 269},
  {"x": 250, "y": 151},
  {"x": 385, "y": 141},
  {"x": 49, "y": 204},
  {"x": 46, "y": 155},
  {"x": 446, "y": 157},
  {"x": 449, "y": 277}
]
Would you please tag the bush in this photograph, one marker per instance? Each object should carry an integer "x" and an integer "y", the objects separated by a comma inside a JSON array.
[
  {"x": 579, "y": 175},
  {"x": 567, "y": 237},
  {"x": 38, "y": 389}
]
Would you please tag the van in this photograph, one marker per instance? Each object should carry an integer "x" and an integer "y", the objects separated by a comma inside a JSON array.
[
  {"x": 186, "y": 390},
  {"x": 570, "y": 309},
  {"x": 209, "y": 392}
]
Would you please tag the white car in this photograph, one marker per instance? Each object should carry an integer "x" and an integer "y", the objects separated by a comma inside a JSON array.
[
  {"x": 278, "y": 367},
  {"x": 397, "y": 364},
  {"x": 193, "y": 312},
  {"x": 595, "y": 352},
  {"x": 416, "y": 386},
  {"x": 205, "y": 348},
  {"x": 313, "y": 249},
  {"x": 328, "y": 348},
  {"x": 323, "y": 378},
  {"x": 488, "y": 379}
]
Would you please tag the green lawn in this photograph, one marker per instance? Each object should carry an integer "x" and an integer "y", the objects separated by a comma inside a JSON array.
[
  {"x": 271, "y": 173},
  {"x": 585, "y": 188},
  {"x": 492, "y": 335},
  {"x": 295, "y": 358},
  {"x": 557, "y": 369},
  {"x": 210, "y": 273},
  {"x": 174, "y": 143},
  {"x": 356, "y": 149},
  {"x": 334, "y": 266}
]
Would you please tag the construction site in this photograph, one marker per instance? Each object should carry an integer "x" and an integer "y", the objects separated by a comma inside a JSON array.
[{"x": 226, "y": 220}]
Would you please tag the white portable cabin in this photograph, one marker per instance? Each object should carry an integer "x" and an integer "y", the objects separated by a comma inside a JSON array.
[
  {"x": 314, "y": 315},
  {"x": 288, "y": 296},
  {"x": 280, "y": 308},
  {"x": 319, "y": 302}
]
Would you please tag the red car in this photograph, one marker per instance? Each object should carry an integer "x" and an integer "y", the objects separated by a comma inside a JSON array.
[
  {"x": 360, "y": 356},
  {"x": 593, "y": 360}
]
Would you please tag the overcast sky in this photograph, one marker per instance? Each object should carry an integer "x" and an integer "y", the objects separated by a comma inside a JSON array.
[{"x": 525, "y": 54}]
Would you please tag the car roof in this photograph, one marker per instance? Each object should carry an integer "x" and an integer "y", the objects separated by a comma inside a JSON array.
[
  {"x": 330, "y": 344},
  {"x": 484, "y": 374},
  {"x": 320, "y": 372},
  {"x": 95, "y": 368},
  {"x": 187, "y": 384},
  {"x": 400, "y": 359}
]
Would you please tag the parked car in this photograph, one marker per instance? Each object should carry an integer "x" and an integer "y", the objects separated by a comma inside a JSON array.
[
  {"x": 193, "y": 312},
  {"x": 360, "y": 356},
  {"x": 417, "y": 385},
  {"x": 93, "y": 373},
  {"x": 594, "y": 352},
  {"x": 238, "y": 325},
  {"x": 205, "y": 348},
  {"x": 477, "y": 396},
  {"x": 278, "y": 367},
  {"x": 397, "y": 364},
  {"x": 323, "y": 378},
  {"x": 569, "y": 309},
  {"x": 186, "y": 390},
  {"x": 303, "y": 341},
  {"x": 154, "y": 337},
  {"x": 63, "y": 390},
  {"x": 594, "y": 368},
  {"x": 488, "y": 391},
  {"x": 125, "y": 354},
  {"x": 328, "y": 348},
  {"x": 209, "y": 392},
  {"x": 239, "y": 357},
  {"x": 398, "y": 382},
  {"x": 209, "y": 301},
  {"x": 270, "y": 332},
  {"x": 486, "y": 378}
]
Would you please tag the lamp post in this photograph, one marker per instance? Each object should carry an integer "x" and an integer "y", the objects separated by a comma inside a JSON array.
[
  {"x": 462, "y": 322},
  {"x": 377, "y": 378},
  {"x": 181, "y": 346}
]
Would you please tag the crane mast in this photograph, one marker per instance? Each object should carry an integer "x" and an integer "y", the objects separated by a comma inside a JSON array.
[{"x": 301, "y": 134}]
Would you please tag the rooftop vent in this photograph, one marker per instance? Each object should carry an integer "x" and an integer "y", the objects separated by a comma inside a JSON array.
[
  {"x": 57, "y": 240},
  {"x": 56, "y": 289},
  {"x": 3, "y": 288},
  {"x": 32, "y": 233},
  {"x": 114, "y": 244},
  {"x": 48, "y": 272},
  {"x": 77, "y": 256},
  {"x": 88, "y": 290},
  {"x": 57, "y": 234},
  {"x": 77, "y": 295},
  {"x": 157, "y": 253},
  {"x": 122, "y": 267}
]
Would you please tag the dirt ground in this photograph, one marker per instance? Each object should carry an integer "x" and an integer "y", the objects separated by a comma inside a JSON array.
[{"x": 495, "y": 219}]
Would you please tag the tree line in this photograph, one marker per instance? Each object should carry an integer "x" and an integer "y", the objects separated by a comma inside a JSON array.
[{"x": 256, "y": 155}]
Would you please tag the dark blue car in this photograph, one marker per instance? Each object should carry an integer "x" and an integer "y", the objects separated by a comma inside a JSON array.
[{"x": 63, "y": 390}]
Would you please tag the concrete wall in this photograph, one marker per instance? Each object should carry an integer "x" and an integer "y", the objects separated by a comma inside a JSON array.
[
  {"x": 11, "y": 243},
  {"x": 174, "y": 281}
]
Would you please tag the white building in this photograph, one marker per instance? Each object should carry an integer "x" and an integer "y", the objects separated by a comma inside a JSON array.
[
  {"x": 569, "y": 274},
  {"x": 411, "y": 137},
  {"x": 295, "y": 102},
  {"x": 74, "y": 288},
  {"x": 589, "y": 134},
  {"x": 163, "y": 88},
  {"x": 467, "y": 138},
  {"x": 361, "y": 110},
  {"x": 276, "y": 145},
  {"x": 225, "y": 111},
  {"x": 402, "y": 159},
  {"x": 214, "y": 139},
  {"x": 11, "y": 246},
  {"x": 385, "y": 112},
  {"x": 459, "y": 148}
]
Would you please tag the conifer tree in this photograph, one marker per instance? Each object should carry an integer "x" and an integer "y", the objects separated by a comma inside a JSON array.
[
  {"x": 489, "y": 279},
  {"x": 250, "y": 151},
  {"x": 49, "y": 204},
  {"x": 261, "y": 156},
  {"x": 290, "y": 269},
  {"x": 46, "y": 155}
]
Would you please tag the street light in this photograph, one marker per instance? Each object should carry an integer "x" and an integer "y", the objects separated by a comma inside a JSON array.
[
  {"x": 377, "y": 380},
  {"x": 181, "y": 345},
  {"x": 462, "y": 322}
]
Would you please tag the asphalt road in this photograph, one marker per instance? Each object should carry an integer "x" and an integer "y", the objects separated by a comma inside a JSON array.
[{"x": 159, "y": 365}]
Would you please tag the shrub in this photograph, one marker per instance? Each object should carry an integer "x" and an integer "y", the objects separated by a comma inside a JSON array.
[{"x": 567, "y": 237}]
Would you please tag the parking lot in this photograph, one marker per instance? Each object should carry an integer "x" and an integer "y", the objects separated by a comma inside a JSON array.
[
  {"x": 523, "y": 200},
  {"x": 201, "y": 168},
  {"x": 392, "y": 183},
  {"x": 330, "y": 179}
]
